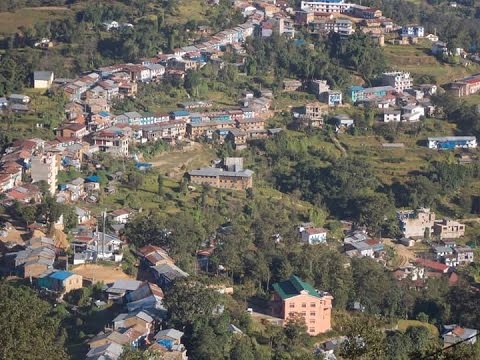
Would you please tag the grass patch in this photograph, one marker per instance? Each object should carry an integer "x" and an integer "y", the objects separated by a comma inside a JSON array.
[
  {"x": 27, "y": 17},
  {"x": 404, "y": 324}
]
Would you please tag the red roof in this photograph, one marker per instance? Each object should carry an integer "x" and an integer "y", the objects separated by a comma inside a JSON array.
[
  {"x": 432, "y": 265},
  {"x": 149, "y": 249},
  {"x": 313, "y": 231}
]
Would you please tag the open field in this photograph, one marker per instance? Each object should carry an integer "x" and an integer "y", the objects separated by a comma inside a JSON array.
[
  {"x": 100, "y": 273},
  {"x": 404, "y": 324},
  {"x": 11, "y": 21},
  {"x": 177, "y": 162},
  {"x": 418, "y": 60}
]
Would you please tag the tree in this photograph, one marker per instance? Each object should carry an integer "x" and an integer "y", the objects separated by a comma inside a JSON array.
[
  {"x": 134, "y": 180},
  {"x": 28, "y": 213},
  {"x": 189, "y": 301},
  {"x": 136, "y": 354},
  {"x": 242, "y": 349},
  {"x": 364, "y": 341},
  {"x": 28, "y": 328},
  {"x": 161, "y": 189}
]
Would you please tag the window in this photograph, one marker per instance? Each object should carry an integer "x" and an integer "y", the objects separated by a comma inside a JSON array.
[
  {"x": 313, "y": 305},
  {"x": 312, "y": 321},
  {"x": 304, "y": 305},
  {"x": 292, "y": 305},
  {"x": 312, "y": 330},
  {"x": 312, "y": 313},
  {"x": 304, "y": 314}
]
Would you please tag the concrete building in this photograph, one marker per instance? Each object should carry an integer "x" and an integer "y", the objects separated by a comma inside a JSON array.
[
  {"x": 392, "y": 115},
  {"x": 227, "y": 177},
  {"x": 413, "y": 31},
  {"x": 400, "y": 80},
  {"x": 325, "y": 6},
  {"x": 448, "y": 229},
  {"x": 452, "y": 142},
  {"x": 464, "y": 254},
  {"x": 314, "y": 236},
  {"x": 60, "y": 281},
  {"x": 111, "y": 141},
  {"x": 44, "y": 167},
  {"x": 315, "y": 112},
  {"x": 42, "y": 79},
  {"x": 294, "y": 297},
  {"x": 416, "y": 223}
]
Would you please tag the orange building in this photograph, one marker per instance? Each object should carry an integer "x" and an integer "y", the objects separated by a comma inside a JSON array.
[{"x": 294, "y": 297}]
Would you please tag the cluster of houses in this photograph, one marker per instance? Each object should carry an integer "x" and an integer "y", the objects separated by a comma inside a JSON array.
[
  {"x": 444, "y": 254},
  {"x": 15, "y": 103}
]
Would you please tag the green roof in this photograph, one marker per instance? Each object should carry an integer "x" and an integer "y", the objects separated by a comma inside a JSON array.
[{"x": 292, "y": 287}]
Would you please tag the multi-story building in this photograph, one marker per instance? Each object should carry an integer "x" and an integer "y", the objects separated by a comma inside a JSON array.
[
  {"x": 315, "y": 112},
  {"x": 464, "y": 254},
  {"x": 332, "y": 97},
  {"x": 452, "y": 142},
  {"x": 400, "y": 80},
  {"x": 416, "y": 223},
  {"x": 112, "y": 141},
  {"x": 223, "y": 177},
  {"x": 359, "y": 93},
  {"x": 413, "y": 31},
  {"x": 448, "y": 229},
  {"x": 169, "y": 130},
  {"x": 45, "y": 167},
  {"x": 466, "y": 86},
  {"x": 295, "y": 298},
  {"x": 325, "y": 6}
]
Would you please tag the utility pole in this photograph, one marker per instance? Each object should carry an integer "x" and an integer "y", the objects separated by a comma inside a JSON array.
[{"x": 103, "y": 231}]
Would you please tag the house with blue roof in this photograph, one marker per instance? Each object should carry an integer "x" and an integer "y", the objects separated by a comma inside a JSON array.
[
  {"x": 179, "y": 115},
  {"x": 60, "y": 281}
]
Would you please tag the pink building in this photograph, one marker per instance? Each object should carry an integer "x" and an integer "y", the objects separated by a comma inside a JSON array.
[{"x": 295, "y": 297}]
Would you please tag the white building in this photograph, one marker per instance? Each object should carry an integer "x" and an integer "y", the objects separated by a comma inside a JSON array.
[
  {"x": 314, "y": 236},
  {"x": 452, "y": 142},
  {"x": 400, "y": 80},
  {"x": 413, "y": 113},
  {"x": 42, "y": 79},
  {"x": 413, "y": 31},
  {"x": 392, "y": 116},
  {"x": 325, "y": 6}
]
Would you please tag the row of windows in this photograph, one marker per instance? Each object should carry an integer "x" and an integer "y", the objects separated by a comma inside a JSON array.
[
  {"x": 304, "y": 305},
  {"x": 304, "y": 314}
]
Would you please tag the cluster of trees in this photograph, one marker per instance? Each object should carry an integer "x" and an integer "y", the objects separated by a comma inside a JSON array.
[
  {"x": 29, "y": 326},
  {"x": 289, "y": 59},
  {"x": 48, "y": 211}
]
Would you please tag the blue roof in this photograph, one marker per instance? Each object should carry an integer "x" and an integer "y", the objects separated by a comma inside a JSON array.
[
  {"x": 356, "y": 88},
  {"x": 180, "y": 113},
  {"x": 61, "y": 275},
  {"x": 93, "y": 178},
  {"x": 104, "y": 113}
]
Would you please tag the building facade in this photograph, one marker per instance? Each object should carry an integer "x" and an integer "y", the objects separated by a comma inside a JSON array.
[
  {"x": 416, "y": 223},
  {"x": 400, "y": 80},
  {"x": 45, "y": 167},
  {"x": 295, "y": 298}
]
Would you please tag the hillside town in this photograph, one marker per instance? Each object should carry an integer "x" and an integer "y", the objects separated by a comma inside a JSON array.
[{"x": 295, "y": 213}]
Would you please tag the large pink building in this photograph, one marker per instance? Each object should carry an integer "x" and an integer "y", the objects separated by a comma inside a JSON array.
[{"x": 294, "y": 297}]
